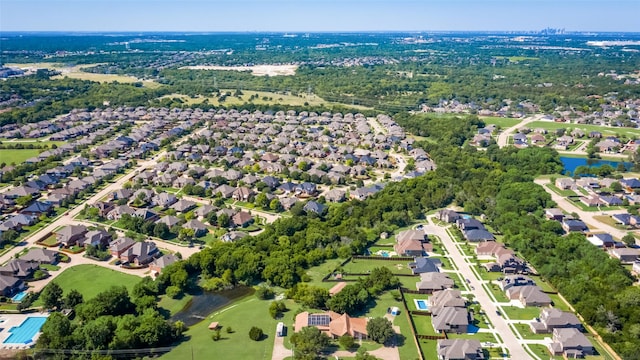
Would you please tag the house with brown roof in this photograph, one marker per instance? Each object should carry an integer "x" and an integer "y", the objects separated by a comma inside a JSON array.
[
  {"x": 140, "y": 253},
  {"x": 333, "y": 324},
  {"x": 120, "y": 245},
  {"x": 19, "y": 268},
  {"x": 241, "y": 219},
  {"x": 242, "y": 194}
]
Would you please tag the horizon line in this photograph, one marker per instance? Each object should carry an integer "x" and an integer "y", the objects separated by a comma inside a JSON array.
[{"x": 311, "y": 32}]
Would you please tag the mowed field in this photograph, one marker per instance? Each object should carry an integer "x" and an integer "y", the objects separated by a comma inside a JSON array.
[
  {"x": 90, "y": 280},
  {"x": 264, "y": 97},
  {"x": 17, "y": 156},
  {"x": 500, "y": 121},
  {"x": 75, "y": 72},
  {"x": 605, "y": 130},
  {"x": 241, "y": 315}
]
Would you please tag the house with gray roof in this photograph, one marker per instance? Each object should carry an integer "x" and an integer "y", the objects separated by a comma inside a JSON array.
[
  {"x": 120, "y": 245},
  {"x": 41, "y": 256},
  {"x": 528, "y": 295},
  {"x": 434, "y": 281},
  {"x": 424, "y": 265},
  {"x": 552, "y": 318},
  {"x": 98, "y": 238},
  {"x": 183, "y": 205},
  {"x": 459, "y": 349},
  {"x": 570, "y": 343},
  {"x": 71, "y": 234},
  {"x": 19, "y": 268},
  {"x": 160, "y": 263}
]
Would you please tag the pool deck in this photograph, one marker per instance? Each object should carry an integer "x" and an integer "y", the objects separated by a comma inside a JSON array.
[{"x": 7, "y": 321}]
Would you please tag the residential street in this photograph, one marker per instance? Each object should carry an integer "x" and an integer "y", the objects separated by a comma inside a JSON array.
[
  {"x": 586, "y": 216},
  {"x": 503, "y": 138},
  {"x": 516, "y": 350}
]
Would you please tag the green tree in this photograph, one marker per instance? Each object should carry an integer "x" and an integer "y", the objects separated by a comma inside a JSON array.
[
  {"x": 73, "y": 298},
  {"x": 52, "y": 296},
  {"x": 309, "y": 342},
  {"x": 255, "y": 333},
  {"x": 23, "y": 201},
  {"x": 346, "y": 341},
  {"x": 629, "y": 239},
  {"x": 380, "y": 330},
  {"x": 261, "y": 200}
]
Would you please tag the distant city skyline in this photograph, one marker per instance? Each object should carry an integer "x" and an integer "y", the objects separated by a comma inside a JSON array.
[{"x": 315, "y": 15}]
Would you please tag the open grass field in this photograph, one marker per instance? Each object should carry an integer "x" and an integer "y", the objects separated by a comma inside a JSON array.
[
  {"x": 500, "y": 121},
  {"x": 264, "y": 97},
  {"x": 90, "y": 280},
  {"x": 605, "y": 130},
  {"x": 38, "y": 141},
  {"x": 17, "y": 156},
  {"x": 241, "y": 315},
  {"x": 75, "y": 72}
]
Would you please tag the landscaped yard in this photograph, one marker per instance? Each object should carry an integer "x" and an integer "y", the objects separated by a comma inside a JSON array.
[
  {"x": 497, "y": 293},
  {"x": 527, "y": 334},
  {"x": 482, "y": 337},
  {"x": 316, "y": 273},
  {"x": 561, "y": 192},
  {"x": 90, "y": 280},
  {"x": 363, "y": 266},
  {"x": 543, "y": 352},
  {"x": 52, "y": 240},
  {"x": 516, "y": 313}
]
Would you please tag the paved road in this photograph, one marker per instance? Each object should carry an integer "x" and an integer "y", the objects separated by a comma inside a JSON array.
[
  {"x": 503, "y": 138},
  {"x": 269, "y": 217},
  {"x": 586, "y": 216},
  {"x": 516, "y": 350}
]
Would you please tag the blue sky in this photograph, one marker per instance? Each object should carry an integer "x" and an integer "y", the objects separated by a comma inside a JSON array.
[{"x": 317, "y": 15}]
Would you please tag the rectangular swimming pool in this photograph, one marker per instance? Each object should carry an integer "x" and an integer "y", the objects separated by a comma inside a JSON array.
[
  {"x": 422, "y": 304},
  {"x": 19, "y": 296},
  {"x": 24, "y": 333}
]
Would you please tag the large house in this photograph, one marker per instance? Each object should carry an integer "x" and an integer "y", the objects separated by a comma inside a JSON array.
[
  {"x": 448, "y": 311},
  {"x": 570, "y": 343},
  {"x": 333, "y": 324},
  {"x": 552, "y": 318},
  {"x": 140, "y": 253},
  {"x": 529, "y": 295},
  {"x": 412, "y": 243},
  {"x": 434, "y": 281},
  {"x": 459, "y": 349},
  {"x": 70, "y": 235}
]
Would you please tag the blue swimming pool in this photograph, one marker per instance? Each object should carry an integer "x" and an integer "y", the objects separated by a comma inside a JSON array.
[
  {"x": 19, "y": 296},
  {"x": 422, "y": 304},
  {"x": 24, "y": 333},
  {"x": 384, "y": 254}
]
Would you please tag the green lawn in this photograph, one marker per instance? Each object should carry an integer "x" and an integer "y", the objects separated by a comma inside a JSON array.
[
  {"x": 17, "y": 156},
  {"x": 542, "y": 352},
  {"x": 429, "y": 349},
  {"x": 605, "y": 130},
  {"x": 502, "y": 122},
  {"x": 174, "y": 305},
  {"x": 527, "y": 334},
  {"x": 557, "y": 190},
  {"x": 482, "y": 337},
  {"x": 316, "y": 273},
  {"x": 485, "y": 275},
  {"x": 364, "y": 266},
  {"x": 241, "y": 316},
  {"x": 90, "y": 280},
  {"x": 497, "y": 293},
  {"x": 516, "y": 313}
]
